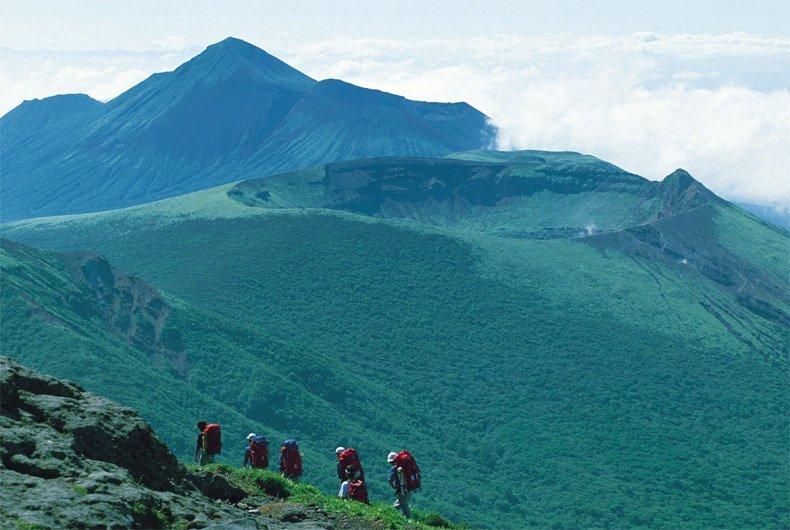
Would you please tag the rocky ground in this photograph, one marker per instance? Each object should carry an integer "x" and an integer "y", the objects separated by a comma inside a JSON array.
[{"x": 70, "y": 459}]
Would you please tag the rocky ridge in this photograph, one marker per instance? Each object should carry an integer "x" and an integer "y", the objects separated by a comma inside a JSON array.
[{"x": 71, "y": 459}]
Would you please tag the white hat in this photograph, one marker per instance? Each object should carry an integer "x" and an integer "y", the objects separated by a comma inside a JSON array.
[
  {"x": 391, "y": 457},
  {"x": 251, "y": 436},
  {"x": 339, "y": 450}
]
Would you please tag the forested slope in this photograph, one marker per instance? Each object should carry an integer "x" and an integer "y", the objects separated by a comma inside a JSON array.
[{"x": 632, "y": 374}]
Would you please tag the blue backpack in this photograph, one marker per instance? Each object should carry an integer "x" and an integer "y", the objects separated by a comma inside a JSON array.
[{"x": 290, "y": 459}]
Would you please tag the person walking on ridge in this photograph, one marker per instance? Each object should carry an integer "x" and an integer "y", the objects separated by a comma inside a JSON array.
[
  {"x": 405, "y": 478},
  {"x": 209, "y": 442},
  {"x": 290, "y": 460},
  {"x": 256, "y": 455},
  {"x": 341, "y": 471},
  {"x": 348, "y": 458},
  {"x": 396, "y": 481}
]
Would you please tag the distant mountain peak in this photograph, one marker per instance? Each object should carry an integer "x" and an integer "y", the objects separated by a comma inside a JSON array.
[
  {"x": 680, "y": 179},
  {"x": 231, "y": 41},
  {"x": 57, "y": 114},
  {"x": 75, "y": 98},
  {"x": 233, "y": 55},
  {"x": 680, "y": 175},
  {"x": 232, "y": 45},
  {"x": 61, "y": 102},
  {"x": 232, "y": 111},
  {"x": 681, "y": 192}
]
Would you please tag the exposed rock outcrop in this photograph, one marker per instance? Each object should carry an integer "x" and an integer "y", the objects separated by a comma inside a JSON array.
[
  {"x": 74, "y": 460},
  {"x": 70, "y": 459},
  {"x": 680, "y": 192},
  {"x": 128, "y": 307}
]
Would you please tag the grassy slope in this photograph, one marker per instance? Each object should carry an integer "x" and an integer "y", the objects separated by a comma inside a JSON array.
[
  {"x": 258, "y": 483},
  {"x": 237, "y": 373},
  {"x": 604, "y": 390},
  {"x": 758, "y": 240},
  {"x": 535, "y": 196},
  {"x": 67, "y": 344}
]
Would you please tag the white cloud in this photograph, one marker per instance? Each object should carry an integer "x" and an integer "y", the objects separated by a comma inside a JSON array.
[
  {"x": 170, "y": 43},
  {"x": 633, "y": 101},
  {"x": 102, "y": 75},
  {"x": 516, "y": 47},
  {"x": 716, "y": 105}
]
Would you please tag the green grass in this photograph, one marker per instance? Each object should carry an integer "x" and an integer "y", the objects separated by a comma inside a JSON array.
[
  {"x": 767, "y": 245},
  {"x": 21, "y": 524},
  {"x": 590, "y": 387},
  {"x": 148, "y": 515},
  {"x": 80, "y": 490},
  {"x": 379, "y": 514}
]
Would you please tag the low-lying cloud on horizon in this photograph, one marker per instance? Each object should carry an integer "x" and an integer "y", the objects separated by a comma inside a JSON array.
[{"x": 715, "y": 105}]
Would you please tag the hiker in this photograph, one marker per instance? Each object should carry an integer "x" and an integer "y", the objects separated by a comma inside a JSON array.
[
  {"x": 343, "y": 493},
  {"x": 353, "y": 487},
  {"x": 257, "y": 452},
  {"x": 341, "y": 472},
  {"x": 209, "y": 442},
  {"x": 290, "y": 460},
  {"x": 404, "y": 478},
  {"x": 348, "y": 458}
]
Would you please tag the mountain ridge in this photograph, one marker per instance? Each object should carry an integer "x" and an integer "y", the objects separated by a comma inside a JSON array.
[
  {"x": 566, "y": 315},
  {"x": 486, "y": 189},
  {"x": 232, "y": 111}
]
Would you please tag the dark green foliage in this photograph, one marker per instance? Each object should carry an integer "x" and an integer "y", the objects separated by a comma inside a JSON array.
[
  {"x": 145, "y": 514},
  {"x": 80, "y": 489},
  {"x": 21, "y": 524},
  {"x": 436, "y": 520},
  {"x": 273, "y": 485},
  {"x": 604, "y": 381}
]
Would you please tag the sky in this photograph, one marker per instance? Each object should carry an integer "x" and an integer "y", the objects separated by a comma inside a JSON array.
[{"x": 649, "y": 86}]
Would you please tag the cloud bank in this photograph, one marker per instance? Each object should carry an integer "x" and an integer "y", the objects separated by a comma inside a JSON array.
[{"x": 716, "y": 105}]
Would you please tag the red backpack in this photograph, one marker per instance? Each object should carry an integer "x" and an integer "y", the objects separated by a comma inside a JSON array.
[
  {"x": 411, "y": 472},
  {"x": 212, "y": 439},
  {"x": 358, "y": 491},
  {"x": 350, "y": 458},
  {"x": 290, "y": 459},
  {"x": 259, "y": 452}
]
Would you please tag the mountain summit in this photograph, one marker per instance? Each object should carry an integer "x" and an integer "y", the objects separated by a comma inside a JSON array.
[
  {"x": 234, "y": 111},
  {"x": 234, "y": 56}
]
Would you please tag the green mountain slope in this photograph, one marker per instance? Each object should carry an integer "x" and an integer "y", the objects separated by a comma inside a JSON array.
[
  {"x": 526, "y": 194},
  {"x": 776, "y": 215},
  {"x": 631, "y": 374},
  {"x": 76, "y": 316}
]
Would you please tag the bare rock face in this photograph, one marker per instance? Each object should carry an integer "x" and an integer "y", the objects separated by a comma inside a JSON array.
[
  {"x": 680, "y": 192},
  {"x": 127, "y": 306},
  {"x": 70, "y": 459}
]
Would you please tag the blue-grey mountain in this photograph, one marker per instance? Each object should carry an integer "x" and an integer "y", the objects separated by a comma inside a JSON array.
[{"x": 234, "y": 111}]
